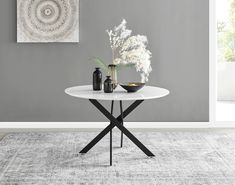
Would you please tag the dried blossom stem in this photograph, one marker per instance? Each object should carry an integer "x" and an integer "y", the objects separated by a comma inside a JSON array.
[{"x": 130, "y": 50}]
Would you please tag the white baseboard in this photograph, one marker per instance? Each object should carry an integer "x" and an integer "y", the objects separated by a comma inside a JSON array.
[{"x": 65, "y": 125}]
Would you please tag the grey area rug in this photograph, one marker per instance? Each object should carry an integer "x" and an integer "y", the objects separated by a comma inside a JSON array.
[{"x": 182, "y": 158}]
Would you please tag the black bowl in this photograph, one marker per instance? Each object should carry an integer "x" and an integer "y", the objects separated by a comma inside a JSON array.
[{"x": 132, "y": 86}]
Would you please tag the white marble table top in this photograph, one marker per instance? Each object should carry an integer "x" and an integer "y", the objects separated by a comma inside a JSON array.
[{"x": 147, "y": 92}]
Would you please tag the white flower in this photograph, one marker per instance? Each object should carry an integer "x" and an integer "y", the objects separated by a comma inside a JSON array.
[
  {"x": 131, "y": 49},
  {"x": 118, "y": 35},
  {"x": 117, "y": 61},
  {"x": 121, "y": 26},
  {"x": 134, "y": 42},
  {"x": 140, "y": 57}
]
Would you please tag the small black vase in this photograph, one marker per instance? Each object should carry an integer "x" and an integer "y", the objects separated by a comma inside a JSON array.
[
  {"x": 97, "y": 79},
  {"x": 108, "y": 85}
]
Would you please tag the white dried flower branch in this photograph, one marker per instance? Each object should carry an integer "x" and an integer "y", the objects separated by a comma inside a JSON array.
[
  {"x": 118, "y": 35},
  {"x": 127, "y": 49}
]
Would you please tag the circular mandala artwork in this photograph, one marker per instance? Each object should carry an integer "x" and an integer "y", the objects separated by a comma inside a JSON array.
[{"x": 48, "y": 20}]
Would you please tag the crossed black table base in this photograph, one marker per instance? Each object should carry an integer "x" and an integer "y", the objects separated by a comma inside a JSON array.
[{"x": 116, "y": 122}]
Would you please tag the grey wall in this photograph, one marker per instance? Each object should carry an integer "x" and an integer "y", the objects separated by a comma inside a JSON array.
[{"x": 33, "y": 76}]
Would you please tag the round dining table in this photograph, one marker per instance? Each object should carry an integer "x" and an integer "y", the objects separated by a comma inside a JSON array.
[{"x": 120, "y": 95}]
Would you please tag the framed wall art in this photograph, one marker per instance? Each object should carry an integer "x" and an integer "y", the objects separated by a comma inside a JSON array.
[{"x": 47, "y": 21}]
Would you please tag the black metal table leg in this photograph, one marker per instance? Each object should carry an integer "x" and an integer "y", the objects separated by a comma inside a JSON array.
[
  {"x": 97, "y": 139},
  {"x": 109, "y": 127},
  {"x": 121, "y": 110},
  {"x": 111, "y": 135},
  {"x": 116, "y": 122}
]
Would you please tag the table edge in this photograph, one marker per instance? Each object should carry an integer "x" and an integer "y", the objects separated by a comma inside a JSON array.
[{"x": 117, "y": 99}]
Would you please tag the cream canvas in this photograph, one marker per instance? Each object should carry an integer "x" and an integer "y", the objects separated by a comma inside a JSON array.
[{"x": 47, "y": 21}]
